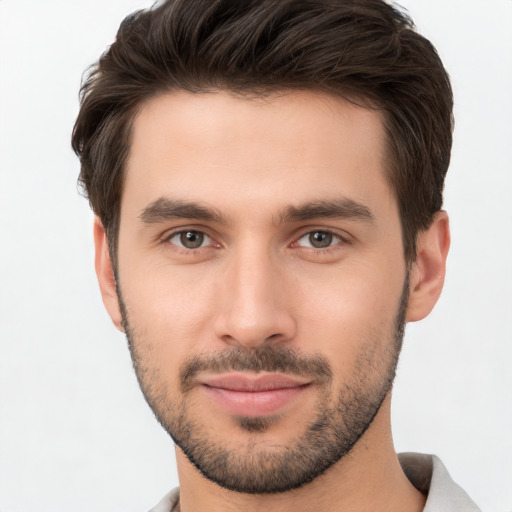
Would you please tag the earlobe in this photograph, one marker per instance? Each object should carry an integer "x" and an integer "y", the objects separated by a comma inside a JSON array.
[
  {"x": 428, "y": 271},
  {"x": 105, "y": 274}
]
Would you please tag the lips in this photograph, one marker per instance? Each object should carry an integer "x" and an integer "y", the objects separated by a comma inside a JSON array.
[{"x": 253, "y": 395}]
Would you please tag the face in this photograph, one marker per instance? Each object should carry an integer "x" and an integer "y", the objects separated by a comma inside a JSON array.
[{"x": 261, "y": 279}]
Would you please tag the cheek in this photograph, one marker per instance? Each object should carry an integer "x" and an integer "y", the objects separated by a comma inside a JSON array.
[
  {"x": 169, "y": 312},
  {"x": 351, "y": 311}
]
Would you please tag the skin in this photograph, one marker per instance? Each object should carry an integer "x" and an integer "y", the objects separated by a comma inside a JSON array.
[{"x": 257, "y": 281}]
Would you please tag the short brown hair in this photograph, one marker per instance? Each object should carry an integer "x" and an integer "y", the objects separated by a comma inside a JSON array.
[{"x": 363, "y": 50}]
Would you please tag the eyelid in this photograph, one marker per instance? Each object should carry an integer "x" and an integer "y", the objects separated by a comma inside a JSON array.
[
  {"x": 206, "y": 239},
  {"x": 343, "y": 236},
  {"x": 165, "y": 238},
  {"x": 335, "y": 241}
]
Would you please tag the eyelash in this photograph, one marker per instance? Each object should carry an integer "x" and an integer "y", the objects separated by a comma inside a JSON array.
[
  {"x": 337, "y": 239},
  {"x": 166, "y": 239},
  {"x": 343, "y": 240}
]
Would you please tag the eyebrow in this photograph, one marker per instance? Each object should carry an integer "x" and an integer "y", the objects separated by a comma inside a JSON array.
[
  {"x": 342, "y": 208},
  {"x": 163, "y": 209}
]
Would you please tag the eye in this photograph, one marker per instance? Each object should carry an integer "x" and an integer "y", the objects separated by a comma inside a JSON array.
[
  {"x": 319, "y": 239},
  {"x": 189, "y": 239}
]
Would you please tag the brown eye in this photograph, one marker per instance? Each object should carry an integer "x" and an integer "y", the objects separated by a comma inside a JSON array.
[
  {"x": 320, "y": 239},
  {"x": 191, "y": 239}
]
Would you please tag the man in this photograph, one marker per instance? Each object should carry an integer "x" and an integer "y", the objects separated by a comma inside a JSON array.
[{"x": 267, "y": 179}]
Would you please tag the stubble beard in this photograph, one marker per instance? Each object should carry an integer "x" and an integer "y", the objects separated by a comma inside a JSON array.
[{"x": 339, "y": 424}]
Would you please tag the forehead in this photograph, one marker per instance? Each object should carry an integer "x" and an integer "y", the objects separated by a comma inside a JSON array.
[{"x": 285, "y": 148}]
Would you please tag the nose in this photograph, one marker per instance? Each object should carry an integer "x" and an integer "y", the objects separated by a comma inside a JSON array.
[{"x": 255, "y": 305}]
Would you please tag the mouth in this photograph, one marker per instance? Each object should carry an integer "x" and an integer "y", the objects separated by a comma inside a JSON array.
[{"x": 253, "y": 395}]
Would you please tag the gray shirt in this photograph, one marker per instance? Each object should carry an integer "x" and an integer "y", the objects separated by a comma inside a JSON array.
[{"x": 426, "y": 472}]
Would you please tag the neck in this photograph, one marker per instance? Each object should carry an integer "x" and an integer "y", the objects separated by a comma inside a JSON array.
[{"x": 368, "y": 478}]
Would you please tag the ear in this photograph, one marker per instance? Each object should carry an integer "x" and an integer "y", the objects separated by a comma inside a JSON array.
[
  {"x": 428, "y": 271},
  {"x": 105, "y": 274}
]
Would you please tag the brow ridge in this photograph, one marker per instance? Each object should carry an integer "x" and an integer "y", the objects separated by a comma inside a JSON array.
[
  {"x": 342, "y": 208},
  {"x": 164, "y": 208}
]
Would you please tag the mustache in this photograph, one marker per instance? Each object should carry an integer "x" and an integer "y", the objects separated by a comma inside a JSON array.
[{"x": 267, "y": 358}]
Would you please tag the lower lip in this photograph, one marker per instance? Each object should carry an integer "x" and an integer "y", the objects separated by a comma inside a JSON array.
[{"x": 254, "y": 403}]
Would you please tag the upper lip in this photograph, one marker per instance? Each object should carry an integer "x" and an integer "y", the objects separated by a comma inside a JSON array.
[{"x": 253, "y": 382}]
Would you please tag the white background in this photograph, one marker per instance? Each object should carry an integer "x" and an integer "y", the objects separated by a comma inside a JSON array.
[{"x": 75, "y": 432}]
